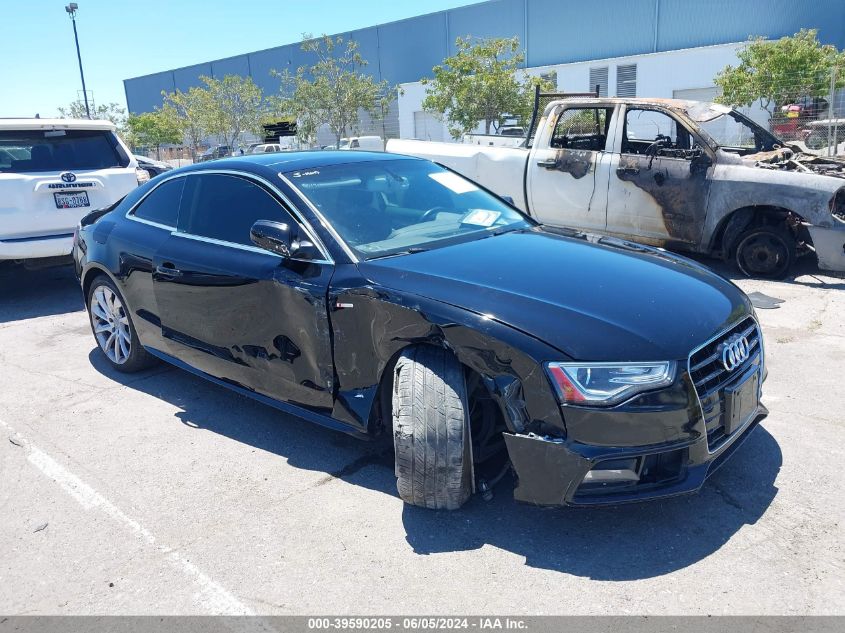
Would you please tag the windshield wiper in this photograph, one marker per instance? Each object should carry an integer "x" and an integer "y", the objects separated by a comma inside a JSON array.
[{"x": 407, "y": 251}]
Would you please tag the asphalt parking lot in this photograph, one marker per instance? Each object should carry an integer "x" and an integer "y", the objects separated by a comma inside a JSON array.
[{"x": 158, "y": 493}]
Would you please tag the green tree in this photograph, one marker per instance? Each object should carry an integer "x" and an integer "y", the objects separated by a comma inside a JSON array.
[
  {"x": 299, "y": 106},
  {"x": 781, "y": 71},
  {"x": 103, "y": 112},
  {"x": 233, "y": 105},
  {"x": 332, "y": 91},
  {"x": 154, "y": 129},
  {"x": 481, "y": 82},
  {"x": 189, "y": 111}
]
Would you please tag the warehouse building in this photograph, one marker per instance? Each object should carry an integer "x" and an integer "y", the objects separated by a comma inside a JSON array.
[{"x": 654, "y": 48}]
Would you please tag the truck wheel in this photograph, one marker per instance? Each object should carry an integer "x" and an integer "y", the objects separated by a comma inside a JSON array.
[
  {"x": 431, "y": 429},
  {"x": 765, "y": 251},
  {"x": 113, "y": 328},
  {"x": 816, "y": 141}
]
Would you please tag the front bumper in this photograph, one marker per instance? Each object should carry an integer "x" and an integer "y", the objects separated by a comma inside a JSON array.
[
  {"x": 659, "y": 444},
  {"x": 551, "y": 471},
  {"x": 35, "y": 247},
  {"x": 829, "y": 244}
]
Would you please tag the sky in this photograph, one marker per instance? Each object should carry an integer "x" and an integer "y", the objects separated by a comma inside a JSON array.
[{"x": 120, "y": 39}]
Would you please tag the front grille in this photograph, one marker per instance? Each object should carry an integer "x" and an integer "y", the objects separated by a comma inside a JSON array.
[{"x": 710, "y": 377}]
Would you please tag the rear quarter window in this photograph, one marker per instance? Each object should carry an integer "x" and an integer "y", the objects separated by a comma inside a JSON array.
[
  {"x": 59, "y": 150},
  {"x": 162, "y": 205}
]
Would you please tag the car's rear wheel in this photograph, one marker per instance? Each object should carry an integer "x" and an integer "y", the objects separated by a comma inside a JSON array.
[
  {"x": 765, "y": 251},
  {"x": 113, "y": 329},
  {"x": 431, "y": 432}
]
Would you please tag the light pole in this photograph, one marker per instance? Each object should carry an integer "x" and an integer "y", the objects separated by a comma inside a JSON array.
[{"x": 71, "y": 10}]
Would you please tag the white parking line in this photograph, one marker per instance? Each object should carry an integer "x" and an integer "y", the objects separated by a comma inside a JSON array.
[{"x": 210, "y": 595}]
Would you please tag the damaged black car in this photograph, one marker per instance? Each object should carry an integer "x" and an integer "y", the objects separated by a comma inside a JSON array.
[{"x": 383, "y": 295}]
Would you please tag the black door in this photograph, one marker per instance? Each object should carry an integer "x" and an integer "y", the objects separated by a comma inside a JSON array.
[
  {"x": 135, "y": 244},
  {"x": 232, "y": 310}
]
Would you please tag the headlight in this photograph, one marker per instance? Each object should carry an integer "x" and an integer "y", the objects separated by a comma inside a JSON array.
[{"x": 607, "y": 383}]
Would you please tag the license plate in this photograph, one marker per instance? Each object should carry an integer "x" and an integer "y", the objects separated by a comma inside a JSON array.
[
  {"x": 72, "y": 200},
  {"x": 741, "y": 402}
]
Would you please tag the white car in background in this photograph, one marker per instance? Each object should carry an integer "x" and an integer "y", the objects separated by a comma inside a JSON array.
[
  {"x": 366, "y": 143},
  {"x": 266, "y": 148},
  {"x": 52, "y": 173}
]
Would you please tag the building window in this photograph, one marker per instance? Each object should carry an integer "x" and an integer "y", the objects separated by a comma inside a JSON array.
[
  {"x": 626, "y": 80},
  {"x": 427, "y": 127},
  {"x": 598, "y": 77}
]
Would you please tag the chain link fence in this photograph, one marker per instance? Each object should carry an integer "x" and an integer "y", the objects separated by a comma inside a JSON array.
[{"x": 815, "y": 120}]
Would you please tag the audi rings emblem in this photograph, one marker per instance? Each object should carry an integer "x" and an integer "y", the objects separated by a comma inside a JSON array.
[{"x": 735, "y": 352}]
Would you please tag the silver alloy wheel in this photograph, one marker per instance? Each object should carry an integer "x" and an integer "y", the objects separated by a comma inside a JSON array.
[{"x": 111, "y": 325}]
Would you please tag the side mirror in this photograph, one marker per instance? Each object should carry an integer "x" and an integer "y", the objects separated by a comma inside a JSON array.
[
  {"x": 272, "y": 236},
  {"x": 700, "y": 163},
  {"x": 304, "y": 249},
  {"x": 508, "y": 199}
]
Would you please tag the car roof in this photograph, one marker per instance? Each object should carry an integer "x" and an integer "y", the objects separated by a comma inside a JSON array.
[
  {"x": 55, "y": 124},
  {"x": 293, "y": 161}
]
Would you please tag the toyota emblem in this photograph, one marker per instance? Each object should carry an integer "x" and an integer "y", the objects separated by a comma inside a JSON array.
[
  {"x": 68, "y": 177},
  {"x": 735, "y": 352}
]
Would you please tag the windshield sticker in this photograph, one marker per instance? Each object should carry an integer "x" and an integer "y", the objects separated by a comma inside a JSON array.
[
  {"x": 300, "y": 174},
  {"x": 453, "y": 182},
  {"x": 481, "y": 217}
]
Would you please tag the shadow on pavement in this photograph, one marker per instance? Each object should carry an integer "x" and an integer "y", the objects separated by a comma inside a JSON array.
[
  {"x": 622, "y": 543},
  {"x": 26, "y": 294},
  {"x": 204, "y": 405},
  {"x": 805, "y": 272}
]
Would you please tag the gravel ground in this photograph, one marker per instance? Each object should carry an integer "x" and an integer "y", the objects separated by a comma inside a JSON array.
[{"x": 163, "y": 494}]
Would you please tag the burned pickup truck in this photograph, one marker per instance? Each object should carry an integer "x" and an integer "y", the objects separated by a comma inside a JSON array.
[{"x": 684, "y": 175}]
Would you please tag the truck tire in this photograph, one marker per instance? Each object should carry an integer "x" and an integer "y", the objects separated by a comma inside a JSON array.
[
  {"x": 816, "y": 140},
  {"x": 766, "y": 252},
  {"x": 431, "y": 429}
]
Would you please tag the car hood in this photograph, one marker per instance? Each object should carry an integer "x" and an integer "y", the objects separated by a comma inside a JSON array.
[{"x": 592, "y": 298}]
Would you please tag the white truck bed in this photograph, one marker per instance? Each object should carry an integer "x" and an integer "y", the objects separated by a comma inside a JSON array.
[{"x": 504, "y": 166}]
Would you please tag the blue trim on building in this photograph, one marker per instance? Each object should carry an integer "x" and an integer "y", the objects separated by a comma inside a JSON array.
[{"x": 551, "y": 31}]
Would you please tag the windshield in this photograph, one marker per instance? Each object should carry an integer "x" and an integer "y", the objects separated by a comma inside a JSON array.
[
  {"x": 387, "y": 207},
  {"x": 24, "y": 151},
  {"x": 732, "y": 130}
]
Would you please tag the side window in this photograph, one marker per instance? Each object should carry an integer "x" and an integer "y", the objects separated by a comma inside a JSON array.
[
  {"x": 162, "y": 205},
  {"x": 581, "y": 128},
  {"x": 644, "y": 128},
  {"x": 225, "y": 207}
]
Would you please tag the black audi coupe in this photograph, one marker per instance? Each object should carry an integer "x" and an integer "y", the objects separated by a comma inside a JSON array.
[{"x": 374, "y": 293}]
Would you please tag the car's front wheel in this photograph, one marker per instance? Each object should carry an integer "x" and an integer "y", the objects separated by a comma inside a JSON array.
[
  {"x": 765, "y": 251},
  {"x": 113, "y": 329},
  {"x": 431, "y": 432}
]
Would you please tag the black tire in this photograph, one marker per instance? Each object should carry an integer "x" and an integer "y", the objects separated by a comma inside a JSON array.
[
  {"x": 766, "y": 252},
  {"x": 138, "y": 358},
  {"x": 816, "y": 141},
  {"x": 431, "y": 429}
]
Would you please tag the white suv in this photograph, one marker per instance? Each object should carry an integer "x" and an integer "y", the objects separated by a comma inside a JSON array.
[{"x": 53, "y": 172}]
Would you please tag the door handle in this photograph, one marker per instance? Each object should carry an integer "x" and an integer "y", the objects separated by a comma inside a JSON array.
[
  {"x": 168, "y": 270},
  {"x": 548, "y": 163}
]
